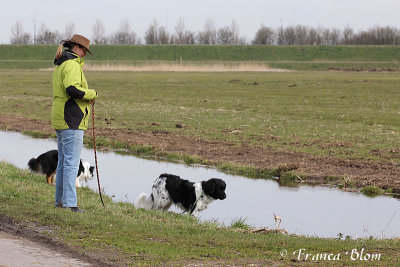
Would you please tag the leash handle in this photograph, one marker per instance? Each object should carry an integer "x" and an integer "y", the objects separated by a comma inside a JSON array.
[{"x": 95, "y": 154}]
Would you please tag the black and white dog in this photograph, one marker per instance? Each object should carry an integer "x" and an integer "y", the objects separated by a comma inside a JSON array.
[
  {"x": 191, "y": 197},
  {"x": 46, "y": 163}
]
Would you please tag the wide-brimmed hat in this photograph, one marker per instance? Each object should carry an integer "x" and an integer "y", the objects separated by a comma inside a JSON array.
[{"x": 80, "y": 40}]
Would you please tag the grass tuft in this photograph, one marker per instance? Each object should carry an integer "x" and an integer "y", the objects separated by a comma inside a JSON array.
[
  {"x": 240, "y": 223},
  {"x": 372, "y": 191},
  {"x": 39, "y": 135},
  {"x": 346, "y": 182},
  {"x": 291, "y": 179}
]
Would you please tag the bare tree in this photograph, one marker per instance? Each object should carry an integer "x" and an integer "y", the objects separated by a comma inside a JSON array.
[
  {"x": 156, "y": 34},
  {"x": 69, "y": 30},
  {"x": 313, "y": 37},
  {"x": 18, "y": 36},
  {"x": 280, "y": 39},
  {"x": 179, "y": 36},
  {"x": 264, "y": 36},
  {"x": 348, "y": 35},
  {"x": 209, "y": 33},
  {"x": 99, "y": 33},
  {"x": 325, "y": 35},
  {"x": 188, "y": 38},
  {"x": 362, "y": 38},
  {"x": 301, "y": 35},
  {"x": 151, "y": 36},
  {"x": 225, "y": 36},
  {"x": 182, "y": 36},
  {"x": 384, "y": 35},
  {"x": 125, "y": 35},
  {"x": 163, "y": 35},
  {"x": 235, "y": 32},
  {"x": 289, "y": 35},
  {"x": 46, "y": 36},
  {"x": 230, "y": 35},
  {"x": 335, "y": 36}
]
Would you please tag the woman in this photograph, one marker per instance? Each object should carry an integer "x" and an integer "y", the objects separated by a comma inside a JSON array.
[{"x": 70, "y": 116}]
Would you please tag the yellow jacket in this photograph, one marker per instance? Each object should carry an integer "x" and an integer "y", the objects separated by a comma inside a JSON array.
[{"x": 71, "y": 96}]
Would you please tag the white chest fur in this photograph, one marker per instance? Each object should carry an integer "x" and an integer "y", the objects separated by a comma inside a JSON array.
[{"x": 202, "y": 200}]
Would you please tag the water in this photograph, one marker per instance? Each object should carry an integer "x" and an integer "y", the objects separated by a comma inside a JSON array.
[{"x": 313, "y": 211}]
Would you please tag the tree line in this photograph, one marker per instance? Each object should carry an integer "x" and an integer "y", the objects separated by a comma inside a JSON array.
[{"x": 211, "y": 35}]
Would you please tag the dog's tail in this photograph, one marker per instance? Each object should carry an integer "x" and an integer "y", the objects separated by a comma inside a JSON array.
[
  {"x": 145, "y": 201},
  {"x": 34, "y": 165}
]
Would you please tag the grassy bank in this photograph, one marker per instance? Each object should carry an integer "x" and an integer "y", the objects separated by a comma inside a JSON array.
[
  {"x": 289, "y": 57},
  {"x": 120, "y": 234}
]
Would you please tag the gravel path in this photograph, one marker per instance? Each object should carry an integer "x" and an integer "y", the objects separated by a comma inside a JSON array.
[{"x": 16, "y": 251}]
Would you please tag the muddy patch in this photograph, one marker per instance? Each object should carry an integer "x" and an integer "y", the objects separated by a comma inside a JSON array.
[{"x": 364, "y": 69}]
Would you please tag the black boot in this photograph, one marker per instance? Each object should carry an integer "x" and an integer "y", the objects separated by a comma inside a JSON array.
[{"x": 76, "y": 209}]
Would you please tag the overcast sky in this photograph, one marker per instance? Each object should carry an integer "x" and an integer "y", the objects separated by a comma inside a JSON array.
[{"x": 248, "y": 14}]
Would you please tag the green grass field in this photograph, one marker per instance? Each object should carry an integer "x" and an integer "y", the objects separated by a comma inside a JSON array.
[
  {"x": 213, "y": 53},
  {"x": 346, "y": 115},
  {"x": 289, "y": 57}
]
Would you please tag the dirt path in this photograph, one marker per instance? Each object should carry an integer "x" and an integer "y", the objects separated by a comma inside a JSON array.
[
  {"x": 363, "y": 173},
  {"x": 25, "y": 245},
  {"x": 17, "y": 251}
]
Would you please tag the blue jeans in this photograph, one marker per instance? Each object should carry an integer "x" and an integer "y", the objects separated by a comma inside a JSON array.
[{"x": 70, "y": 144}]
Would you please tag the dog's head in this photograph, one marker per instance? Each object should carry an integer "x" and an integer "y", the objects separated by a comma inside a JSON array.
[
  {"x": 214, "y": 188},
  {"x": 87, "y": 171},
  {"x": 91, "y": 168}
]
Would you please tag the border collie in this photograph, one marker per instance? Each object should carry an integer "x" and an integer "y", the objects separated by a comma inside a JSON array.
[
  {"x": 46, "y": 164},
  {"x": 85, "y": 173},
  {"x": 191, "y": 197}
]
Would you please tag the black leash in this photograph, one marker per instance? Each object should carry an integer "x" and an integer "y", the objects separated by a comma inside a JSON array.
[{"x": 95, "y": 155}]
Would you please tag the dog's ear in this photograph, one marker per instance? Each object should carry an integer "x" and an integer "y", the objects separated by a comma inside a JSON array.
[
  {"x": 208, "y": 187},
  {"x": 91, "y": 168},
  {"x": 222, "y": 184}
]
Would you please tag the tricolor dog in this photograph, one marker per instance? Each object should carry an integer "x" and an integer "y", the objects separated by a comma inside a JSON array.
[{"x": 47, "y": 162}]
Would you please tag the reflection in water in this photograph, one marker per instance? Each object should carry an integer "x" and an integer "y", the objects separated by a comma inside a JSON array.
[{"x": 314, "y": 211}]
